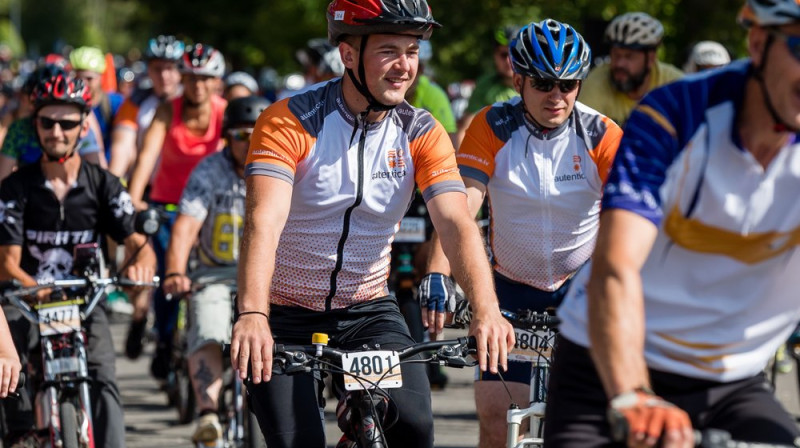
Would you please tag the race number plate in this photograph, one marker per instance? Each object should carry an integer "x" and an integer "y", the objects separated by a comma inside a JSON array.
[
  {"x": 56, "y": 319},
  {"x": 412, "y": 230},
  {"x": 381, "y": 367},
  {"x": 63, "y": 365},
  {"x": 531, "y": 346}
]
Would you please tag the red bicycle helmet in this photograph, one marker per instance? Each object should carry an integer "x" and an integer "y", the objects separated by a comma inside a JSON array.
[
  {"x": 363, "y": 17},
  {"x": 61, "y": 89}
]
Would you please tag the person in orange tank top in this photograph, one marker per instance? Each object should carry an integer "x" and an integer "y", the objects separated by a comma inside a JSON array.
[{"x": 184, "y": 131}]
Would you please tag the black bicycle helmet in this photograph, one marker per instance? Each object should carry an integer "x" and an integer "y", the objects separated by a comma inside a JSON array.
[
  {"x": 244, "y": 111},
  {"x": 167, "y": 48},
  {"x": 61, "y": 89},
  {"x": 363, "y": 17}
]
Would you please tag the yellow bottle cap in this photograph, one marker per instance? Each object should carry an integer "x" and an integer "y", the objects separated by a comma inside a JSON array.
[{"x": 319, "y": 338}]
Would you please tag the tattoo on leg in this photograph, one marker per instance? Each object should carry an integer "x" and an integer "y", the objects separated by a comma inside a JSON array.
[{"x": 202, "y": 380}]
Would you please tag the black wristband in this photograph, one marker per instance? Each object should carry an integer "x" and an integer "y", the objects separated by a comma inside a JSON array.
[
  {"x": 252, "y": 312},
  {"x": 174, "y": 274}
]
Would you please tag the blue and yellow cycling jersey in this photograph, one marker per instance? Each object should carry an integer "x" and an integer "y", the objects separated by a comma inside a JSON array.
[{"x": 720, "y": 284}]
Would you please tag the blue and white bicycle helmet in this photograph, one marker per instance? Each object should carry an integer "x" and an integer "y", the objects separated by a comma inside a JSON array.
[
  {"x": 164, "y": 47},
  {"x": 769, "y": 12},
  {"x": 550, "y": 50}
]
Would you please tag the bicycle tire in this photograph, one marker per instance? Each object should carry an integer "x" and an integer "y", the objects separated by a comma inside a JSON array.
[
  {"x": 184, "y": 395},
  {"x": 69, "y": 425}
]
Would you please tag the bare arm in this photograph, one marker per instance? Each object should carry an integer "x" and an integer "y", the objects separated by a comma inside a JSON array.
[
  {"x": 99, "y": 157},
  {"x": 463, "y": 124},
  {"x": 616, "y": 304},
  {"x": 184, "y": 234},
  {"x": 9, "y": 359},
  {"x": 268, "y": 200},
  {"x": 437, "y": 261},
  {"x": 123, "y": 150},
  {"x": 7, "y": 165},
  {"x": 10, "y": 268},
  {"x": 461, "y": 241},
  {"x": 151, "y": 148}
]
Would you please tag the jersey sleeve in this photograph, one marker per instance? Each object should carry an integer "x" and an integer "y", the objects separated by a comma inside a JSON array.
[
  {"x": 12, "y": 207},
  {"x": 434, "y": 158},
  {"x": 198, "y": 193},
  {"x": 477, "y": 152},
  {"x": 603, "y": 154},
  {"x": 646, "y": 151},
  {"x": 117, "y": 210},
  {"x": 278, "y": 143},
  {"x": 126, "y": 115}
]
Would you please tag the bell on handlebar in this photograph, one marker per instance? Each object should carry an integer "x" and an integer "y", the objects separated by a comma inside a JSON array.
[{"x": 147, "y": 221}]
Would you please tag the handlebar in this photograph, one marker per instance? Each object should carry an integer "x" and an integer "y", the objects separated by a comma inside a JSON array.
[
  {"x": 224, "y": 275},
  {"x": 14, "y": 294},
  {"x": 717, "y": 438},
  {"x": 524, "y": 319}
]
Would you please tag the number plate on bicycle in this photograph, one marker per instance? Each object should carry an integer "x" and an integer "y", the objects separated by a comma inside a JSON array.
[
  {"x": 59, "y": 318},
  {"x": 531, "y": 346},
  {"x": 63, "y": 365},
  {"x": 376, "y": 367}
]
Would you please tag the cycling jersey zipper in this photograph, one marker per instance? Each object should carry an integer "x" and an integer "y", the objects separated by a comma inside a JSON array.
[{"x": 346, "y": 224}]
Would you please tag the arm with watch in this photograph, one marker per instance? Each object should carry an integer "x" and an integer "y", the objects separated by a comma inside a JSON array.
[{"x": 617, "y": 333}]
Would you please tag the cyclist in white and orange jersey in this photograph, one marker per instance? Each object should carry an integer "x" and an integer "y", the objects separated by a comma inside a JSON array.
[
  {"x": 693, "y": 282},
  {"x": 542, "y": 158},
  {"x": 329, "y": 176}
]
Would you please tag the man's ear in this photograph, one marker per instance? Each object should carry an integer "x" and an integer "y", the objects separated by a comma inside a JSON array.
[
  {"x": 756, "y": 44},
  {"x": 84, "y": 125},
  {"x": 349, "y": 53},
  {"x": 518, "y": 80}
]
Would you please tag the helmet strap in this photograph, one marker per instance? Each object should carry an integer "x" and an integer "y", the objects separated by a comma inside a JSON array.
[
  {"x": 758, "y": 73},
  {"x": 372, "y": 103}
]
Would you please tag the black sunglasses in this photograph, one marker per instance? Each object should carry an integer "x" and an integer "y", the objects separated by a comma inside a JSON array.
[
  {"x": 547, "y": 85},
  {"x": 793, "y": 42},
  {"x": 66, "y": 125}
]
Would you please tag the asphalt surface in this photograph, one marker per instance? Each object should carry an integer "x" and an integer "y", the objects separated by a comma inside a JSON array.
[{"x": 151, "y": 424}]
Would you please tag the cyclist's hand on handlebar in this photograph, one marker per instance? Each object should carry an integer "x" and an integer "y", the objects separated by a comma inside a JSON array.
[
  {"x": 9, "y": 373},
  {"x": 140, "y": 272},
  {"x": 251, "y": 343},
  {"x": 437, "y": 297},
  {"x": 650, "y": 420},
  {"x": 176, "y": 284},
  {"x": 494, "y": 336}
]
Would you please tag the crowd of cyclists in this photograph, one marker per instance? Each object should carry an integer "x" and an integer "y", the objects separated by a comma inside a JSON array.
[{"x": 653, "y": 207}]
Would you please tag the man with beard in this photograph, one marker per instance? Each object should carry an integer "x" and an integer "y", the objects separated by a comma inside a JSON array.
[{"x": 615, "y": 88}]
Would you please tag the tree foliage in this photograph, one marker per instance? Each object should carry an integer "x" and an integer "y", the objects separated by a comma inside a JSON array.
[{"x": 254, "y": 33}]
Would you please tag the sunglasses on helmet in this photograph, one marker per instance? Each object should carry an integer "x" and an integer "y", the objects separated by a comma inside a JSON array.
[
  {"x": 793, "y": 42},
  {"x": 547, "y": 85},
  {"x": 66, "y": 125},
  {"x": 241, "y": 134}
]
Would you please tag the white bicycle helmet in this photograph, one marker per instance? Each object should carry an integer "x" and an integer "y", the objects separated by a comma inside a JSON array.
[
  {"x": 635, "y": 30},
  {"x": 202, "y": 60},
  {"x": 707, "y": 53},
  {"x": 769, "y": 12}
]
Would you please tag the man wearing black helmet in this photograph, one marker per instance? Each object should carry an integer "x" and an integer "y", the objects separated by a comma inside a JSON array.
[
  {"x": 693, "y": 284},
  {"x": 43, "y": 204},
  {"x": 212, "y": 211},
  {"x": 542, "y": 158},
  {"x": 330, "y": 173}
]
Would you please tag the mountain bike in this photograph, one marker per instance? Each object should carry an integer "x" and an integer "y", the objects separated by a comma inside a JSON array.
[{"x": 535, "y": 335}]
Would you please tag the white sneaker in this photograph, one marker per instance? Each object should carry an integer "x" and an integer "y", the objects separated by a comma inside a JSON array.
[{"x": 208, "y": 431}]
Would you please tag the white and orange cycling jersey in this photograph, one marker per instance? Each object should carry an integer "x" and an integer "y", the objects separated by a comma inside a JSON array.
[
  {"x": 350, "y": 191},
  {"x": 721, "y": 281},
  {"x": 544, "y": 188},
  {"x": 137, "y": 112}
]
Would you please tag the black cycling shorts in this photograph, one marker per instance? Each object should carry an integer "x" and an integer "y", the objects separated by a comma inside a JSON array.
[{"x": 577, "y": 404}]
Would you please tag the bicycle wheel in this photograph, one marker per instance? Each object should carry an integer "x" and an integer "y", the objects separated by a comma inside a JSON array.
[
  {"x": 69, "y": 425},
  {"x": 184, "y": 395}
]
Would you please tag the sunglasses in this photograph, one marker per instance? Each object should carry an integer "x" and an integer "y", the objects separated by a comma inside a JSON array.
[
  {"x": 66, "y": 125},
  {"x": 547, "y": 85},
  {"x": 793, "y": 42},
  {"x": 241, "y": 135}
]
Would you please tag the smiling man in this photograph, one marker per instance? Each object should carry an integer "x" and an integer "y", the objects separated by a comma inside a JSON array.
[
  {"x": 329, "y": 176},
  {"x": 634, "y": 69}
]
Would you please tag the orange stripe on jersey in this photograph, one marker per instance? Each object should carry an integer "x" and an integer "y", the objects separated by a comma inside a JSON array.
[
  {"x": 603, "y": 154},
  {"x": 480, "y": 145},
  {"x": 279, "y": 138},
  {"x": 434, "y": 158},
  {"x": 127, "y": 115}
]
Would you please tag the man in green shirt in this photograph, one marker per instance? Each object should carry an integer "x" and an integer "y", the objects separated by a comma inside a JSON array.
[
  {"x": 492, "y": 87},
  {"x": 614, "y": 89}
]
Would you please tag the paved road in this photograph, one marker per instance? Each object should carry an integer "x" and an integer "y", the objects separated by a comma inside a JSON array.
[{"x": 150, "y": 424}]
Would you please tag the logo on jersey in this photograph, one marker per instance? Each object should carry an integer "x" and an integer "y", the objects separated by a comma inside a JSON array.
[
  {"x": 395, "y": 158},
  {"x": 10, "y": 205},
  {"x": 122, "y": 205},
  {"x": 54, "y": 264},
  {"x": 577, "y": 161}
]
